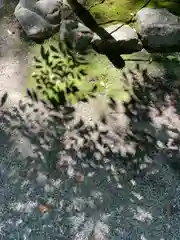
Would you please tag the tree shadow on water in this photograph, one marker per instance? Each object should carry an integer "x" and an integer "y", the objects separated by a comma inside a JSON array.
[
  {"x": 64, "y": 178},
  {"x": 155, "y": 116}
]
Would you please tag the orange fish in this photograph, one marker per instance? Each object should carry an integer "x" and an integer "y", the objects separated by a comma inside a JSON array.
[{"x": 44, "y": 208}]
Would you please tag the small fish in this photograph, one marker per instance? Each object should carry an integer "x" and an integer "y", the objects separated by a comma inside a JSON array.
[
  {"x": 79, "y": 177},
  {"x": 35, "y": 97},
  {"x": 3, "y": 99},
  {"x": 44, "y": 208},
  {"x": 29, "y": 93},
  {"x": 169, "y": 210},
  {"x": 112, "y": 104}
]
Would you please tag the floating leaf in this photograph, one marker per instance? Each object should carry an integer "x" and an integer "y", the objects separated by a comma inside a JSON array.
[{"x": 170, "y": 57}]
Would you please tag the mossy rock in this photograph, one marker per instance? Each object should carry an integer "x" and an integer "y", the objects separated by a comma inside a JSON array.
[
  {"x": 121, "y": 10},
  {"x": 99, "y": 66}
]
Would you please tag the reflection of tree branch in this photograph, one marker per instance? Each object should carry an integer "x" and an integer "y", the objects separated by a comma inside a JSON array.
[{"x": 85, "y": 16}]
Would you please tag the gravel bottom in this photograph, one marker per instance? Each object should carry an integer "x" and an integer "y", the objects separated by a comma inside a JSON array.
[{"x": 80, "y": 200}]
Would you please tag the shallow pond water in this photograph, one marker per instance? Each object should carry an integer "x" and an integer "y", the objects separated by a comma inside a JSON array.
[{"x": 107, "y": 202}]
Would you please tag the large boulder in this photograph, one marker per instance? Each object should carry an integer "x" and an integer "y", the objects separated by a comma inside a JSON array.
[
  {"x": 78, "y": 35},
  {"x": 33, "y": 24},
  {"x": 39, "y": 19},
  {"x": 126, "y": 38},
  {"x": 159, "y": 30},
  {"x": 49, "y": 10},
  {"x": 25, "y": 4}
]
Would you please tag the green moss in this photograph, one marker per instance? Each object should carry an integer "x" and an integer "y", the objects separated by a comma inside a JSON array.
[
  {"x": 121, "y": 10},
  {"x": 113, "y": 10},
  {"x": 99, "y": 68},
  {"x": 99, "y": 65},
  {"x": 35, "y": 51}
]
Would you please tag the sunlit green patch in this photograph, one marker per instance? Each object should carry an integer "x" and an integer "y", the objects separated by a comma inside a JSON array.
[
  {"x": 121, "y": 10},
  {"x": 99, "y": 71}
]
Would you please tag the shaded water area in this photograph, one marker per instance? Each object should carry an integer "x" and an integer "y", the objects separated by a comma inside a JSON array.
[{"x": 112, "y": 177}]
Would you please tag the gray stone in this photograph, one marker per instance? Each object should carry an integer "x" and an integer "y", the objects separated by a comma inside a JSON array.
[
  {"x": 49, "y": 10},
  {"x": 34, "y": 25},
  {"x": 25, "y": 4},
  {"x": 125, "y": 36},
  {"x": 78, "y": 35},
  {"x": 159, "y": 29}
]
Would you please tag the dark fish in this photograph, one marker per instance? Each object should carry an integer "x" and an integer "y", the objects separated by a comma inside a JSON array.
[
  {"x": 3, "y": 99},
  {"x": 112, "y": 104},
  {"x": 35, "y": 97},
  {"x": 29, "y": 93}
]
